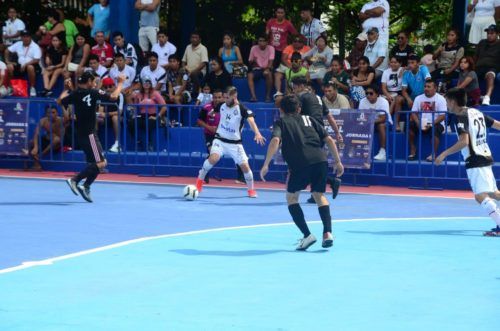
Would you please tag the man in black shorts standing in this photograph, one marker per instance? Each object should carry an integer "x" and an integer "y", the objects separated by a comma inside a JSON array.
[
  {"x": 85, "y": 100},
  {"x": 301, "y": 140}
]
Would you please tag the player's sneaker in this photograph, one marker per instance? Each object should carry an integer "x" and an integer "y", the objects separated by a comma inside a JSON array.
[
  {"x": 306, "y": 242},
  {"x": 327, "y": 240},
  {"x": 84, "y": 192},
  {"x": 199, "y": 185},
  {"x": 252, "y": 193},
  {"x": 495, "y": 232},
  {"x": 72, "y": 185}
]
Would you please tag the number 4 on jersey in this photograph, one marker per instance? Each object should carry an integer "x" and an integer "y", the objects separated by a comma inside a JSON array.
[{"x": 88, "y": 100}]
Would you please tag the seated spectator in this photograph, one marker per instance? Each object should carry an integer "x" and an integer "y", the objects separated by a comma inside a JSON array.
[
  {"x": 121, "y": 68},
  {"x": 402, "y": 49},
  {"x": 296, "y": 46},
  {"x": 374, "y": 101},
  {"x": 55, "y": 59},
  {"x": 428, "y": 58},
  {"x": 164, "y": 49},
  {"x": 152, "y": 107},
  {"x": 413, "y": 80},
  {"x": 178, "y": 84},
  {"x": 103, "y": 50},
  {"x": 47, "y": 137},
  {"x": 77, "y": 58},
  {"x": 195, "y": 61},
  {"x": 448, "y": 57},
  {"x": 98, "y": 19},
  {"x": 218, "y": 78},
  {"x": 358, "y": 51},
  {"x": 319, "y": 59},
  {"x": 361, "y": 77},
  {"x": 428, "y": 121},
  {"x": 467, "y": 79},
  {"x": 126, "y": 49},
  {"x": 230, "y": 53},
  {"x": 205, "y": 97},
  {"x": 113, "y": 111},
  {"x": 376, "y": 52},
  {"x": 155, "y": 73},
  {"x": 149, "y": 22},
  {"x": 277, "y": 30},
  {"x": 57, "y": 29},
  {"x": 28, "y": 60},
  {"x": 333, "y": 99},
  {"x": 296, "y": 70},
  {"x": 260, "y": 62},
  {"x": 392, "y": 86},
  {"x": 484, "y": 16},
  {"x": 337, "y": 76},
  {"x": 487, "y": 63},
  {"x": 99, "y": 71},
  {"x": 13, "y": 28}
]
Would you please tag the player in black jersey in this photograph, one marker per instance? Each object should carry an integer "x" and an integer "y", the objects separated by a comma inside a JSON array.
[
  {"x": 85, "y": 100},
  {"x": 301, "y": 139},
  {"x": 471, "y": 127}
]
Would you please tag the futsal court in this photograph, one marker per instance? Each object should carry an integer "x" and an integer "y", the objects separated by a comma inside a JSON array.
[{"x": 143, "y": 258}]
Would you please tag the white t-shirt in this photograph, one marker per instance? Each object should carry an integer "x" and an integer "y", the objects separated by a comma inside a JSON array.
[
  {"x": 26, "y": 54},
  {"x": 128, "y": 71},
  {"x": 376, "y": 50},
  {"x": 164, "y": 52},
  {"x": 102, "y": 71},
  {"x": 159, "y": 75},
  {"x": 11, "y": 28},
  {"x": 3, "y": 68},
  {"x": 429, "y": 105},
  {"x": 312, "y": 31},
  {"x": 204, "y": 98},
  {"x": 486, "y": 8},
  {"x": 128, "y": 52},
  {"x": 393, "y": 79},
  {"x": 381, "y": 22},
  {"x": 381, "y": 104}
]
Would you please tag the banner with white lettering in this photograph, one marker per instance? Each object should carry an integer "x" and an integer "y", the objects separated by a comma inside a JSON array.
[{"x": 13, "y": 127}]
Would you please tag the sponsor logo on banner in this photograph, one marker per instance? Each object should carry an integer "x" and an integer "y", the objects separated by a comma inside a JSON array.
[{"x": 14, "y": 127}]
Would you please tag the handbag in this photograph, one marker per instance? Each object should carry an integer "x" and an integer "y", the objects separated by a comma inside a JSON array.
[
  {"x": 19, "y": 88},
  {"x": 240, "y": 70},
  {"x": 357, "y": 92}
]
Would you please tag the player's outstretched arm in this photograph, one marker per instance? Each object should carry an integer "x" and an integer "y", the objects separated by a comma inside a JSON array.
[
  {"x": 463, "y": 141},
  {"x": 259, "y": 139},
  {"x": 271, "y": 150},
  {"x": 119, "y": 87},
  {"x": 496, "y": 125},
  {"x": 338, "y": 166}
]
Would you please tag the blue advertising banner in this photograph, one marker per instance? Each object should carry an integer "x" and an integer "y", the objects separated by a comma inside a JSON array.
[{"x": 13, "y": 127}]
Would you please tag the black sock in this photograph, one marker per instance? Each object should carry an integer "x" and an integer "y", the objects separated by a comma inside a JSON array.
[
  {"x": 298, "y": 218},
  {"x": 324, "y": 213},
  {"x": 92, "y": 176},
  {"x": 84, "y": 173}
]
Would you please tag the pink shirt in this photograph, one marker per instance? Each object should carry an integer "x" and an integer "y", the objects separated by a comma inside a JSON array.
[
  {"x": 261, "y": 57},
  {"x": 152, "y": 99},
  {"x": 278, "y": 33}
]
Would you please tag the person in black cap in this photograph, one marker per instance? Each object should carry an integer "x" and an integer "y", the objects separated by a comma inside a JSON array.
[
  {"x": 487, "y": 60},
  {"x": 85, "y": 99}
]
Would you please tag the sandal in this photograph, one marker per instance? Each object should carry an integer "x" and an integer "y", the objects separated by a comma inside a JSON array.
[{"x": 412, "y": 157}]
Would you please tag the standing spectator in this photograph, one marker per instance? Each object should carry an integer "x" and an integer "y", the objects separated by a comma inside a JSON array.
[
  {"x": 57, "y": 29},
  {"x": 448, "y": 57},
  {"x": 296, "y": 70},
  {"x": 98, "y": 18},
  {"x": 333, "y": 99},
  {"x": 392, "y": 86},
  {"x": 375, "y": 14},
  {"x": 48, "y": 133},
  {"x": 261, "y": 62},
  {"x": 414, "y": 80},
  {"x": 278, "y": 29},
  {"x": 125, "y": 48},
  {"x": 296, "y": 46},
  {"x": 376, "y": 52},
  {"x": 195, "y": 61},
  {"x": 484, "y": 16},
  {"x": 121, "y": 68},
  {"x": 218, "y": 78},
  {"x": 13, "y": 28},
  {"x": 312, "y": 27},
  {"x": 178, "y": 84},
  {"x": 428, "y": 122},
  {"x": 361, "y": 78},
  {"x": 374, "y": 101},
  {"x": 155, "y": 73},
  {"x": 164, "y": 49},
  {"x": 487, "y": 63},
  {"x": 205, "y": 97},
  {"x": 112, "y": 111},
  {"x": 357, "y": 51},
  {"x": 69, "y": 26},
  {"x": 428, "y": 58},
  {"x": 149, "y": 22},
  {"x": 402, "y": 49},
  {"x": 320, "y": 58},
  {"x": 77, "y": 58},
  {"x": 28, "y": 59},
  {"x": 337, "y": 76},
  {"x": 467, "y": 79},
  {"x": 230, "y": 53},
  {"x": 97, "y": 69},
  {"x": 55, "y": 58},
  {"x": 103, "y": 50}
]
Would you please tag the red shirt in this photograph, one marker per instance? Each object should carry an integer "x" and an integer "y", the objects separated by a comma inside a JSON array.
[
  {"x": 105, "y": 52},
  {"x": 278, "y": 33}
]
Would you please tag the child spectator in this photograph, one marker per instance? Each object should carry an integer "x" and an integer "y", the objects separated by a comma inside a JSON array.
[
  {"x": 204, "y": 97},
  {"x": 467, "y": 79},
  {"x": 55, "y": 58},
  {"x": 337, "y": 76},
  {"x": 427, "y": 59},
  {"x": 392, "y": 85}
]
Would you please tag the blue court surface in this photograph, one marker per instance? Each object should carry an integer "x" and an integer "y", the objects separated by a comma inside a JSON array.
[{"x": 142, "y": 258}]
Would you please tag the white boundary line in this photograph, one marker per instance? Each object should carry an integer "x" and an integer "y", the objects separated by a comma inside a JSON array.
[{"x": 49, "y": 261}]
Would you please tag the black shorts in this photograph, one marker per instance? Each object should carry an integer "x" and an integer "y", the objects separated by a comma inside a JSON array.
[
  {"x": 92, "y": 148},
  {"x": 277, "y": 59},
  {"x": 208, "y": 141},
  {"x": 438, "y": 129},
  {"x": 17, "y": 70},
  {"x": 314, "y": 175}
]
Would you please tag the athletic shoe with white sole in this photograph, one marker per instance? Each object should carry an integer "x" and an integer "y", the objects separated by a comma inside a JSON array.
[
  {"x": 495, "y": 232},
  {"x": 115, "y": 148},
  {"x": 252, "y": 193},
  {"x": 72, "y": 185},
  {"x": 306, "y": 242},
  {"x": 327, "y": 240},
  {"x": 84, "y": 192}
]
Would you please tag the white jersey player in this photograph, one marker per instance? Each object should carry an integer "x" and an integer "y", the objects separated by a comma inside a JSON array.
[
  {"x": 471, "y": 127},
  {"x": 228, "y": 139}
]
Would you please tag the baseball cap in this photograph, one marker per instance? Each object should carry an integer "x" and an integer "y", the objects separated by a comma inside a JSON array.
[
  {"x": 108, "y": 81},
  {"x": 362, "y": 37},
  {"x": 374, "y": 29},
  {"x": 25, "y": 33},
  {"x": 85, "y": 77},
  {"x": 491, "y": 27}
]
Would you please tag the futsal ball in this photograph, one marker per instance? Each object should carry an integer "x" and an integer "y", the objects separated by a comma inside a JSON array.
[{"x": 190, "y": 192}]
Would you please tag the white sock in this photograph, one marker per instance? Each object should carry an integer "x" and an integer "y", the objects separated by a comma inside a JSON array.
[
  {"x": 204, "y": 170},
  {"x": 249, "y": 179},
  {"x": 491, "y": 208}
]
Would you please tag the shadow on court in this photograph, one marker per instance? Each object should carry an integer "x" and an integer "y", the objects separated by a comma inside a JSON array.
[
  {"x": 196, "y": 252},
  {"x": 465, "y": 233},
  {"x": 51, "y": 203}
]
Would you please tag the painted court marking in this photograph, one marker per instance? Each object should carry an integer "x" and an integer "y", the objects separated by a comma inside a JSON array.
[{"x": 50, "y": 261}]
